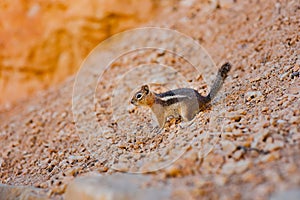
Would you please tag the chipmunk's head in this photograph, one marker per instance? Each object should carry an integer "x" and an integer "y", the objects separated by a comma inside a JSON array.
[{"x": 143, "y": 97}]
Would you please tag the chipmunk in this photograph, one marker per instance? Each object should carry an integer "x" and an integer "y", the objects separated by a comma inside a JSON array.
[{"x": 183, "y": 102}]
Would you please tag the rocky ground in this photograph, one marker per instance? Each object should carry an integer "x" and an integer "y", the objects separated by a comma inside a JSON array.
[{"x": 255, "y": 152}]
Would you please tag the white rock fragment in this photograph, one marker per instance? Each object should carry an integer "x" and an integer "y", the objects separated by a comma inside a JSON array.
[
  {"x": 296, "y": 136},
  {"x": 256, "y": 95},
  {"x": 235, "y": 167},
  {"x": 33, "y": 11},
  {"x": 281, "y": 121},
  {"x": 282, "y": 76},
  {"x": 187, "y": 3},
  {"x": 238, "y": 154},
  {"x": 294, "y": 120},
  {"x": 221, "y": 180},
  {"x": 73, "y": 158},
  {"x": 275, "y": 146},
  {"x": 228, "y": 147}
]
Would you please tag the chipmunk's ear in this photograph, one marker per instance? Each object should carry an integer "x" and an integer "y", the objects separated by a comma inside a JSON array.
[{"x": 145, "y": 88}]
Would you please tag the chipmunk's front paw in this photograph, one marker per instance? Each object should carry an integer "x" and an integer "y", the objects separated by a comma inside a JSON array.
[{"x": 184, "y": 125}]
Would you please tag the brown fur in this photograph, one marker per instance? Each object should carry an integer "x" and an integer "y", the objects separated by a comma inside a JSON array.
[{"x": 183, "y": 102}]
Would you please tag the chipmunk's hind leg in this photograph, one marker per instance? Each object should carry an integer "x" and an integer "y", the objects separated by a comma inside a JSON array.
[
  {"x": 189, "y": 111},
  {"x": 187, "y": 115}
]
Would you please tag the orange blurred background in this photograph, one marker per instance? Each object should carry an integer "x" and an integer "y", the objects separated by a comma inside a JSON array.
[{"x": 44, "y": 41}]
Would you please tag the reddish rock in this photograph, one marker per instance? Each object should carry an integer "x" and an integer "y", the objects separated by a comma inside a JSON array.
[{"x": 45, "y": 41}]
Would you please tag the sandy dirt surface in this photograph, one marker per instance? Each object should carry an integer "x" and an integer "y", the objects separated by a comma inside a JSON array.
[{"x": 256, "y": 151}]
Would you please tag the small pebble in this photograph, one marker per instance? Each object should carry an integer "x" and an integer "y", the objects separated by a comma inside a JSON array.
[
  {"x": 282, "y": 76},
  {"x": 295, "y": 74},
  {"x": 275, "y": 146}
]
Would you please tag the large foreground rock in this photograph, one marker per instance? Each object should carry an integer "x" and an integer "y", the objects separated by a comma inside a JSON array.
[
  {"x": 289, "y": 194},
  {"x": 8, "y": 192},
  {"x": 119, "y": 186}
]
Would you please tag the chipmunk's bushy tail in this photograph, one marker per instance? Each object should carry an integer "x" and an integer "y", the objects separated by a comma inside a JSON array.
[{"x": 221, "y": 76}]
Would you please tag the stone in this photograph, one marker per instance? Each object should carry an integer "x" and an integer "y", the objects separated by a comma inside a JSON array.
[
  {"x": 275, "y": 146},
  {"x": 235, "y": 167},
  {"x": 22, "y": 192},
  {"x": 294, "y": 120},
  {"x": 221, "y": 180},
  {"x": 253, "y": 95},
  {"x": 117, "y": 186},
  {"x": 264, "y": 109},
  {"x": 238, "y": 154},
  {"x": 228, "y": 147},
  {"x": 289, "y": 194}
]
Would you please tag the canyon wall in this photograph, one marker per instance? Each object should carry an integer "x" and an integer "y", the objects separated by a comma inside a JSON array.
[{"x": 44, "y": 41}]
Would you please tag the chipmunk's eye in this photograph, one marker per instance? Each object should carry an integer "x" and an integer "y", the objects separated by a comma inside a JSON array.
[{"x": 139, "y": 96}]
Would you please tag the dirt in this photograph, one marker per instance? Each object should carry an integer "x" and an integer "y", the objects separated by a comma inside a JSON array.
[{"x": 255, "y": 152}]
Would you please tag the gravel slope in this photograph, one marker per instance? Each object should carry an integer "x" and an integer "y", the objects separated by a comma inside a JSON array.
[{"x": 256, "y": 155}]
